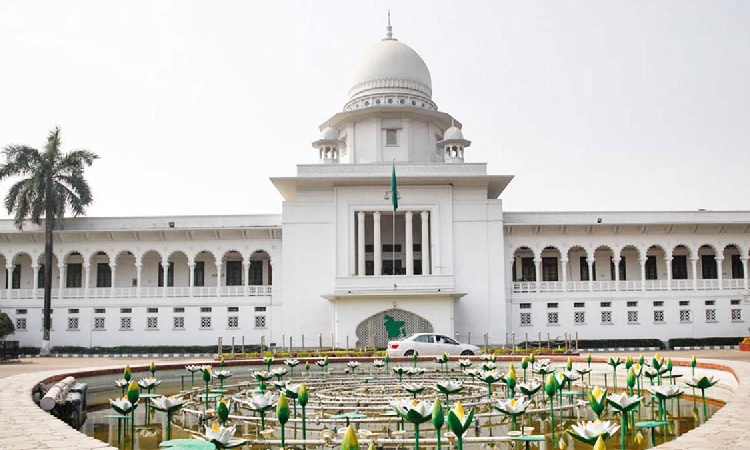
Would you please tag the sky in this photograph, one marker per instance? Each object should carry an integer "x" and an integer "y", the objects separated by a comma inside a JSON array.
[{"x": 192, "y": 106}]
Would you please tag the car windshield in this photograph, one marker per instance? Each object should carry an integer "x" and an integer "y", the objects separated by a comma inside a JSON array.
[{"x": 447, "y": 340}]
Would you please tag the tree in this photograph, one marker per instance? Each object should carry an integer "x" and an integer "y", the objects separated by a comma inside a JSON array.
[
  {"x": 6, "y": 326},
  {"x": 51, "y": 183}
]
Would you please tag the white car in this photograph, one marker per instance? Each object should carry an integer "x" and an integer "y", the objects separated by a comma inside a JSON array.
[{"x": 430, "y": 344}]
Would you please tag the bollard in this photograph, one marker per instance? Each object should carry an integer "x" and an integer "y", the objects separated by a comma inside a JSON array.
[
  {"x": 243, "y": 344},
  {"x": 302, "y": 343},
  {"x": 468, "y": 340},
  {"x": 486, "y": 342},
  {"x": 333, "y": 345},
  {"x": 232, "y": 345},
  {"x": 576, "y": 342},
  {"x": 513, "y": 342},
  {"x": 565, "y": 337},
  {"x": 283, "y": 342},
  {"x": 347, "y": 345},
  {"x": 457, "y": 336},
  {"x": 549, "y": 345},
  {"x": 290, "y": 345},
  {"x": 320, "y": 343},
  {"x": 527, "y": 341},
  {"x": 262, "y": 345},
  {"x": 221, "y": 347},
  {"x": 539, "y": 339},
  {"x": 505, "y": 345}
]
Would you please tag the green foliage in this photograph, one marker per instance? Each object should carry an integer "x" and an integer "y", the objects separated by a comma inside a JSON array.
[
  {"x": 6, "y": 326},
  {"x": 701, "y": 342},
  {"x": 558, "y": 351}
]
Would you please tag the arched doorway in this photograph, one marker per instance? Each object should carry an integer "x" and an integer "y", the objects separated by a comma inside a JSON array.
[{"x": 391, "y": 324}]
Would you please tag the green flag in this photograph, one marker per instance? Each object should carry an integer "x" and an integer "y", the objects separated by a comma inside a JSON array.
[{"x": 394, "y": 189}]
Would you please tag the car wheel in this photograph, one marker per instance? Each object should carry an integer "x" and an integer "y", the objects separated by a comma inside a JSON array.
[
  {"x": 409, "y": 353},
  {"x": 467, "y": 353}
]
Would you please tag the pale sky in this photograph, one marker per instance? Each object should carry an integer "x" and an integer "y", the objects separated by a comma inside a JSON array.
[{"x": 192, "y": 106}]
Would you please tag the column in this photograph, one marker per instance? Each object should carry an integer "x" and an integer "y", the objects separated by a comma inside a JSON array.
[
  {"x": 138, "y": 267},
  {"x": 86, "y": 277},
  {"x": 719, "y": 274},
  {"x": 246, "y": 276},
  {"x": 361, "y": 243},
  {"x": 165, "y": 276},
  {"x": 616, "y": 263},
  {"x": 426, "y": 264},
  {"x": 668, "y": 262},
  {"x": 694, "y": 265},
  {"x": 564, "y": 274},
  {"x": 537, "y": 273},
  {"x": 744, "y": 269},
  {"x": 191, "y": 276},
  {"x": 591, "y": 262},
  {"x": 377, "y": 245},
  {"x": 114, "y": 272},
  {"x": 35, "y": 272},
  {"x": 643, "y": 274},
  {"x": 218, "y": 277},
  {"x": 61, "y": 267},
  {"x": 409, "y": 244}
]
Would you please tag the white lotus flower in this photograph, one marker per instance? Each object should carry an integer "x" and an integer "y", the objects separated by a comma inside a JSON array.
[
  {"x": 571, "y": 375},
  {"x": 472, "y": 372},
  {"x": 414, "y": 387},
  {"x": 121, "y": 405},
  {"x": 222, "y": 435},
  {"x": 221, "y": 374},
  {"x": 195, "y": 368},
  {"x": 279, "y": 371},
  {"x": 353, "y": 364},
  {"x": 665, "y": 392},
  {"x": 464, "y": 362},
  {"x": 623, "y": 402},
  {"x": 512, "y": 406},
  {"x": 530, "y": 388},
  {"x": 291, "y": 362},
  {"x": 415, "y": 371},
  {"x": 488, "y": 357},
  {"x": 412, "y": 410},
  {"x": 149, "y": 383},
  {"x": 650, "y": 372},
  {"x": 583, "y": 370},
  {"x": 122, "y": 382},
  {"x": 590, "y": 431},
  {"x": 262, "y": 375},
  {"x": 378, "y": 363},
  {"x": 261, "y": 402},
  {"x": 489, "y": 365},
  {"x": 280, "y": 385},
  {"x": 168, "y": 403},
  {"x": 449, "y": 387}
]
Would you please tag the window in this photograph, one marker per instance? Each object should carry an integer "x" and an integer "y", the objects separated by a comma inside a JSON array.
[
  {"x": 710, "y": 315},
  {"x": 98, "y": 323},
  {"x": 658, "y": 303},
  {"x": 233, "y": 309},
  {"x": 621, "y": 265},
  {"x": 206, "y": 309},
  {"x": 525, "y": 306},
  {"x": 234, "y": 273},
  {"x": 735, "y": 302},
  {"x": 125, "y": 323},
  {"x": 152, "y": 310},
  {"x": 528, "y": 270},
  {"x": 369, "y": 248},
  {"x": 178, "y": 309},
  {"x": 152, "y": 323},
  {"x": 260, "y": 309},
  {"x": 736, "y": 315},
  {"x": 126, "y": 310},
  {"x": 233, "y": 322},
  {"x": 684, "y": 302},
  {"x": 526, "y": 319},
  {"x": 684, "y": 316},
  {"x": 103, "y": 275},
  {"x": 579, "y": 305},
  {"x": 260, "y": 321},
  {"x": 425, "y": 339},
  {"x": 605, "y": 304},
  {"x": 255, "y": 273},
  {"x": 632, "y": 304},
  {"x": 205, "y": 322},
  {"x": 388, "y": 267},
  {"x": 72, "y": 323},
  {"x": 552, "y": 318},
  {"x": 73, "y": 311},
  {"x": 16, "y": 282},
  {"x": 584, "y": 265},
  {"x": 199, "y": 273},
  {"x": 551, "y": 305},
  {"x": 679, "y": 267},
  {"x": 579, "y": 317},
  {"x": 40, "y": 276},
  {"x": 388, "y": 248},
  {"x": 737, "y": 269},
  {"x": 549, "y": 269},
  {"x": 170, "y": 274},
  {"x": 391, "y": 136},
  {"x": 632, "y": 317},
  {"x": 659, "y": 316},
  {"x": 606, "y": 317},
  {"x": 710, "y": 302},
  {"x": 98, "y": 310},
  {"x": 21, "y": 324},
  {"x": 73, "y": 275},
  {"x": 178, "y": 323},
  {"x": 651, "y": 268},
  {"x": 22, "y": 311},
  {"x": 708, "y": 266}
]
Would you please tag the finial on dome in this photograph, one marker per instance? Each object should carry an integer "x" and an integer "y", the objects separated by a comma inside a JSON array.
[{"x": 389, "y": 29}]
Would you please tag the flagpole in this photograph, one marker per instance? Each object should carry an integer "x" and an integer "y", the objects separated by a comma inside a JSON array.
[{"x": 393, "y": 243}]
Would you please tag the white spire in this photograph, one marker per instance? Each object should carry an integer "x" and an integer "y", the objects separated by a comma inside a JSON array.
[{"x": 389, "y": 29}]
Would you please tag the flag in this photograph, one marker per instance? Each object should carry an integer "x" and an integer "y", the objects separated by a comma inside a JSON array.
[{"x": 394, "y": 189}]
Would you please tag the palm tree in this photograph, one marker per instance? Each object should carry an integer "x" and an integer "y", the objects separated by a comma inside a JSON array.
[{"x": 51, "y": 182}]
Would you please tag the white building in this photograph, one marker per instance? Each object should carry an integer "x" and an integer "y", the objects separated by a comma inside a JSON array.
[{"x": 325, "y": 266}]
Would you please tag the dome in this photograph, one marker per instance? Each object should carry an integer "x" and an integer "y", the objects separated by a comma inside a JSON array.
[
  {"x": 390, "y": 67},
  {"x": 329, "y": 134},
  {"x": 453, "y": 133}
]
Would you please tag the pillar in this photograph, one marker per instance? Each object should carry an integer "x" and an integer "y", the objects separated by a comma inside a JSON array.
[
  {"x": 86, "y": 276},
  {"x": 668, "y": 262},
  {"x": 643, "y": 274},
  {"x": 591, "y": 262},
  {"x": 719, "y": 274},
  {"x": 63, "y": 281},
  {"x": 376, "y": 245},
  {"x": 191, "y": 276},
  {"x": 138, "y": 267},
  {"x": 409, "y": 244},
  {"x": 114, "y": 272},
  {"x": 426, "y": 265},
  {"x": 246, "y": 276},
  {"x": 694, "y": 266},
  {"x": 165, "y": 271},
  {"x": 616, "y": 263},
  {"x": 35, "y": 272},
  {"x": 564, "y": 274},
  {"x": 537, "y": 273},
  {"x": 218, "y": 276},
  {"x": 744, "y": 270},
  {"x": 361, "y": 243}
]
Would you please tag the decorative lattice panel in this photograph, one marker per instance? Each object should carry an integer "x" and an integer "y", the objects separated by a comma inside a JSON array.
[{"x": 391, "y": 324}]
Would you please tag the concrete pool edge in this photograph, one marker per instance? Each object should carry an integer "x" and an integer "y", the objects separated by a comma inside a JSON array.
[{"x": 26, "y": 426}]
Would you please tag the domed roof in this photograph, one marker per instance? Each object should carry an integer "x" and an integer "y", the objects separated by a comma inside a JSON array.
[
  {"x": 329, "y": 133},
  {"x": 390, "y": 64},
  {"x": 453, "y": 133}
]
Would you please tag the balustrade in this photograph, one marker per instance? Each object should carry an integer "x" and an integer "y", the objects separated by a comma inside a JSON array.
[
  {"x": 530, "y": 287},
  {"x": 134, "y": 292}
]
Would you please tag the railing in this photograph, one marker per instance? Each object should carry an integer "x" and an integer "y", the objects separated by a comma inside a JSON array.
[
  {"x": 629, "y": 285},
  {"x": 733, "y": 283},
  {"x": 550, "y": 286},
  {"x": 682, "y": 285},
  {"x": 144, "y": 292},
  {"x": 604, "y": 286},
  {"x": 579, "y": 286},
  {"x": 708, "y": 285},
  {"x": 530, "y": 287},
  {"x": 524, "y": 286},
  {"x": 656, "y": 285}
]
